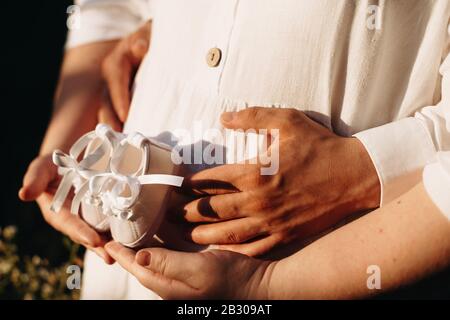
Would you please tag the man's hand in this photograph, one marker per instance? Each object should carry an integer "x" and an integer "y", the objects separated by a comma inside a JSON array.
[
  {"x": 322, "y": 178},
  {"x": 39, "y": 184},
  {"x": 119, "y": 68},
  {"x": 207, "y": 275}
]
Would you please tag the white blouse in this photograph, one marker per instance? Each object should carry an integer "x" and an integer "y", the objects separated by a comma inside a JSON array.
[{"x": 387, "y": 83}]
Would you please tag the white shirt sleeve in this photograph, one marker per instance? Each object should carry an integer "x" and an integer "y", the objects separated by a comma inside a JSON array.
[
  {"x": 102, "y": 20},
  {"x": 436, "y": 179},
  {"x": 400, "y": 150}
]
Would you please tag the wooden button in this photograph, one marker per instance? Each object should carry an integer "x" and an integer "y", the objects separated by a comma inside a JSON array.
[{"x": 213, "y": 57}]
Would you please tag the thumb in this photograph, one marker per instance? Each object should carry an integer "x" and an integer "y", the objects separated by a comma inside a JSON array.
[
  {"x": 172, "y": 273},
  {"x": 161, "y": 263},
  {"x": 170, "y": 264},
  {"x": 37, "y": 178},
  {"x": 255, "y": 118}
]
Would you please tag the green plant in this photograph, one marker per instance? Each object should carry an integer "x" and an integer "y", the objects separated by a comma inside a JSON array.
[{"x": 25, "y": 277}]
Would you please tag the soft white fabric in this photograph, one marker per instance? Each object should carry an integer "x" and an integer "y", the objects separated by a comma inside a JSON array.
[
  {"x": 110, "y": 282},
  {"x": 101, "y": 20},
  {"x": 402, "y": 148},
  {"x": 381, "y": 85}
]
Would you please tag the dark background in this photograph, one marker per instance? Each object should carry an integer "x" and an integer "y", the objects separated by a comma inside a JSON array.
[
  {"x": 31, "y": 53},
  {"x": 32, "y": 46},
  {"x": 33, "y": 36}
]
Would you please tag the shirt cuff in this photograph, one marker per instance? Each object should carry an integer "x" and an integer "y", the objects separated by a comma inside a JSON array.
[
  {"x": 399, "y": 151},
  {"x": 102, "y": 23},
  {"x": 436, "y": 179}
]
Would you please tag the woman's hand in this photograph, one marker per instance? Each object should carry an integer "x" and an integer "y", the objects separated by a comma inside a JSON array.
[
  {"x": 40, "y": 183},
  {"x": 82, "y": 100},
  {"x": 205, "y": 275},
  {"x": 368, "y": 256}
]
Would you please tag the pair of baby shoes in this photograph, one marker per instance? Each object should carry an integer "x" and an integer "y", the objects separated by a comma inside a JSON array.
[{"x": 122, "y": 183}]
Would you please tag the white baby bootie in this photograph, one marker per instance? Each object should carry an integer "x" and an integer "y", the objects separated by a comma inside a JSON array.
[
  {"x": 98, "y": 147},
  {"x": 134, "y": 193}
]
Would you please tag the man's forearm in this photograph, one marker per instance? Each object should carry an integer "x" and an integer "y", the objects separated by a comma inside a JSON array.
[
  {"x": 77, "y": 96},
  {"x": 407, "y": 239}
]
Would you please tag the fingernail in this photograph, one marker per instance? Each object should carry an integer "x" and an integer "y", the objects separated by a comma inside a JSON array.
[
  {"x": 110, "y": 247},
  {"x": 228, "y": 116},
  {"x": 25, "y": 194},
  {"x": 140, "y": 43},
  {"x": 143, "y": 258},
  {"x": 86, "y": 241},
  {"x": 22, "y": 193},
  {"x": 139, "y": 48},
  {"x": 103, "y": 256},
  {"x": 122, "y": 115},
  {"x": 100, "y": 254}
]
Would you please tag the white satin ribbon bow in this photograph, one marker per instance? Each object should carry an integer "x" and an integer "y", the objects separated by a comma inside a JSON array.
[
  {"x": 73, "y": 171},
  {"x": 106, "y": 191}
]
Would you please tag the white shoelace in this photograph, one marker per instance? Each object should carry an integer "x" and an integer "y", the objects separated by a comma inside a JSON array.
[
  {"x": 106, "y": 192},
  {"x": 74, "y": 171}
]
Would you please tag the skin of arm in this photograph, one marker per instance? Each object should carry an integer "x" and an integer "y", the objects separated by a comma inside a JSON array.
[
  {"x": 407, "y": 239},
  {"x": 77, "y": 98},
  {"x": 77, "y": 101},
  {"x": 94, "y": 85},
  {"x": 81, "y": 101}
]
